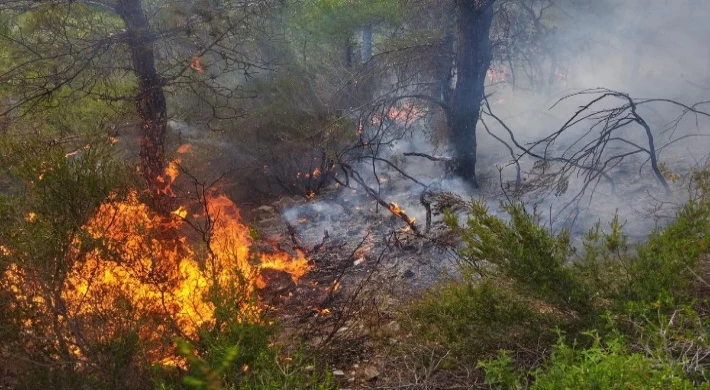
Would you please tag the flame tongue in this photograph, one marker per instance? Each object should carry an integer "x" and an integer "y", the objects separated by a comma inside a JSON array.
[{"x": 147, "y": 274}]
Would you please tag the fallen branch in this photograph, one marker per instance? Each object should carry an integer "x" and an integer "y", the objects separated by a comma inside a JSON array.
[{"x": 392, "y": 207}]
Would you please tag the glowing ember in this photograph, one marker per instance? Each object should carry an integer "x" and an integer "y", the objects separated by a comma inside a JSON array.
[
  {"x": 394, "y": 207},
  {"x": 184, "y": 148},
  {"x": 195, "y": 65},
  {"x": 496, "y": 75},
  {"x": 404, "y": 115}
]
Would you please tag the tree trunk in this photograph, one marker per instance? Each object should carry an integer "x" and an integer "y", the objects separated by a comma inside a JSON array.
[
  {"x": 366, "y": 42},
  {"x": 348, "y": 52},
  {"x": 150, "y": 103},
  {"x": 473, "y": 58}
]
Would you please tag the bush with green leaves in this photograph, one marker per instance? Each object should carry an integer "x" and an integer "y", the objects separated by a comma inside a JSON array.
[
  {"x": 50, "y": 196},
  {"x": 522, "y": 251},
  {"x": 233, "y": 366},
  {"x": 472, "y": 319},
  {"x": 241, "y": 356},
  {"x": 520, "y": 284},
  {"x": 43, "y": 215},
  {"x": 603, "y": 365}
]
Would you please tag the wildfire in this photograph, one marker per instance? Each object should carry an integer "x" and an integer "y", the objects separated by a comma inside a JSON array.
[
  {"x": 394, "y": 207},
  {"x": 496, "y": 75},
  {"x": 148, "y": 274},
  {"x": 404, "y": 115},
  {"x": 196, "y": 65},
  {"x": 396, "y": 210}
]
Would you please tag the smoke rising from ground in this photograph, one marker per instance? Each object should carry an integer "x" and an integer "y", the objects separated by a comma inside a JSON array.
[{"x": 648, "y": 49}]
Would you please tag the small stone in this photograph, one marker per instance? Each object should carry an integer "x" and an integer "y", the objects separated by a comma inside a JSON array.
[
  {"x": 338, "y": 373},
  {"x": 371, "y": 373},
  {"x": 266, "y": 209},
  {"x": 351, "y": 379},
  {"x": 408, "y": 274}
]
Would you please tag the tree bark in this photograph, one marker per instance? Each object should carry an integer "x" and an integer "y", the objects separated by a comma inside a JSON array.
[
  {"x": 473, "y": 58},
  {"x": 150, "y": 104},
  {"x": 366, "y": 42}
]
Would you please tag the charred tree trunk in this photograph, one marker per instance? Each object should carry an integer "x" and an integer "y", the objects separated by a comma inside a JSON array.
[
  {"x": 150, "y": 103},
  {"x": 473, "y": 58},
  {"x": 446, "y": 66},
  {"x": 348, "y": 52}
]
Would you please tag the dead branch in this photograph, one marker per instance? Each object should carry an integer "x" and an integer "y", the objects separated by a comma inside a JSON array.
[{"x": 355, "y": 176}]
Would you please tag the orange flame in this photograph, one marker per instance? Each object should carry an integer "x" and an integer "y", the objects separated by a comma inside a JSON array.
[
  {"x": 147, "y": 274},
  {"x": 394, "y": 207},
  {"x": 195, "y": 65}
]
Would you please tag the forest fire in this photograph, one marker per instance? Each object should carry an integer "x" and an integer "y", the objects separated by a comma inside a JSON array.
[
  {"x": 405, "y": 115},
  {"x": 396, "y": 210},
  {"x": 149, "y": 271}
]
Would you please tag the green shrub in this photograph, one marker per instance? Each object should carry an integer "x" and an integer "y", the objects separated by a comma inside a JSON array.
[
  {"x": 607, "y": 365},
  {"x": 523, "y": 251},
  {"x": 522, "y": 283},
  {"x": 472, "y": 318},
  {"x": 249, "y": 363}
]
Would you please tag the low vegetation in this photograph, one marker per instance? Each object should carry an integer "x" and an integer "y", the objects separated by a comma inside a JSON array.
[{"x": 531, "y": 310}]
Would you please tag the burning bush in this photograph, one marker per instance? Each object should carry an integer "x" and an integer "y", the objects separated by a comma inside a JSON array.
[
  {"x": 302, "y": 172},
  {"x": 100, "y": 285}
]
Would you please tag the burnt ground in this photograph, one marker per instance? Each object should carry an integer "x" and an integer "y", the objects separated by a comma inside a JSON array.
[{"x": 366, "y": 263}]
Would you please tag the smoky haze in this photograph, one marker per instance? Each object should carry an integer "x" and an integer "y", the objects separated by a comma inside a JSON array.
[{"x": 648, "y": 49}]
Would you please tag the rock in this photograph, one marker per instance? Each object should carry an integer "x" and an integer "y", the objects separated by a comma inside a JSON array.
[
  {"x": 338, "y": 373},
  {"x": 408, "y": 274},
  {"x": 264, "y": 212},
  {"x": 371, "y": 373},
  {"x": 266, "y": 209},
  {"x": 351, "y": 379},
  {"x": 286, "y": 203}
]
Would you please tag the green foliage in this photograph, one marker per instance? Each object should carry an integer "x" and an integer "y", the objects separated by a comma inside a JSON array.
[
  {"x": 522, "y": 283},
  {"x": 472, "y": 318},
  {"x": 73, "y": 86},
  {"x": 664, "y": 264},
  {"x": 53, "y": 195},
  {"x": 243, "y": 358},
  {"x": 522, "y": 251},
  {"x": 339, "y": 18},
  {"x": 49, "y": 197},
  {"x": 604, "y": 365},
  {"x": 656, "y": 273}
]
